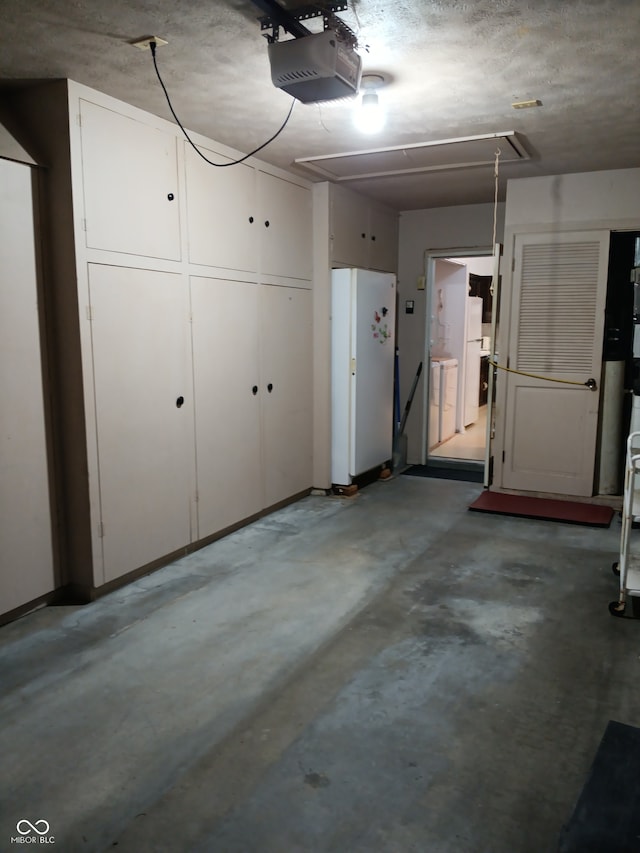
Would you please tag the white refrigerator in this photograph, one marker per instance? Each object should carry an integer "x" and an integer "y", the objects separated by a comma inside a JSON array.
[
  {"x": 362, "y": 371},
  {"x": 472, "y": 360}
]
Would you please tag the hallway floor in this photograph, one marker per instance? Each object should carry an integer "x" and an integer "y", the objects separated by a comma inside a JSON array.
[{"x": 383, "y": 673}]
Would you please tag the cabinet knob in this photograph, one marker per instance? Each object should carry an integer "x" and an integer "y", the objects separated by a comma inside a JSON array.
[
  {"x": 373, "y": 236},
  {"x": 170, "y": 196},
  {"x": 180, "y": 402},
  {"x": 363, "y": 235},
  {"x": 251, "y": 219},
  {"x": 267, "y": 223},
  {"x": 254, "y": 390},
  {"x": 270, "y": 387}
]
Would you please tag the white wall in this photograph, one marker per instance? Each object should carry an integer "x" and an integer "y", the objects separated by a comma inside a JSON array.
[
  {"x": 421, "y": 232},
  {"x": 611, "y": 197}
]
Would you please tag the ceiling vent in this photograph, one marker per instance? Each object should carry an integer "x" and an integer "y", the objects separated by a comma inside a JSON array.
[{"x": 435, "y": 156}]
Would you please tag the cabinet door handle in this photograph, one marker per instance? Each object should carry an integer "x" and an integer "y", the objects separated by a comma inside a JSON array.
[
  {"x": 270, "y": 387},
  {"x": 180, "y": 402},
  {"x": 254, "y": 390}
]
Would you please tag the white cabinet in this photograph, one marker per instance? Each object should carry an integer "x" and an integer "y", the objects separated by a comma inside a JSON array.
[
  {"x": 383, "y": 243},
  {"x": 286, "y": 390},
  {"x": 130, "y": 184},
  {"x": 243, "y": 218},
  {"x": 222, "y": 212},
  {"x": 172, "y": 299},
  {"x": 144, "y": 420},
  {"x": 363, "y": 234},
  {"x": 285, "y": 225},
  {"x": 227, "y": 391},
  {"x": 252, "y": 363}
]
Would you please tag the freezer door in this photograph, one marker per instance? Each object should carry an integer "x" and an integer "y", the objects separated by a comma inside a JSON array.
[
  {"x": 372, "y": 336},
  {"x": 472, "y": 383},
  {"x": 474, "y": 318}
]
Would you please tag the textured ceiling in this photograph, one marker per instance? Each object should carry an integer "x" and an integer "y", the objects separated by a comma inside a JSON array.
[{"x": 454, "y": 69}]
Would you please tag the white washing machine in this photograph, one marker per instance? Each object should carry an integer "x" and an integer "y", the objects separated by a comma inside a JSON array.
[
  {"x": 448, "y": 397},
  {"x": 434, "y": 404}
]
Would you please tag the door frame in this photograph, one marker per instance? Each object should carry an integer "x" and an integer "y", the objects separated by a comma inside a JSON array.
[{"x": 431, "y": 256}]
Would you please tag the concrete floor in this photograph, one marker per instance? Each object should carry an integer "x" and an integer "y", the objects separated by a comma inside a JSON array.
[{"x": 386, "y": 673}]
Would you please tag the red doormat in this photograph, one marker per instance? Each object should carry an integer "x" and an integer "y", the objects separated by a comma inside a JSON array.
[{"x": 591, "y": 515}]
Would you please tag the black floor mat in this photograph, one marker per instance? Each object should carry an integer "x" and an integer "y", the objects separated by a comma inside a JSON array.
[
  {"x": 445, "y": 473},
  {"x": 607, "y": 814}
]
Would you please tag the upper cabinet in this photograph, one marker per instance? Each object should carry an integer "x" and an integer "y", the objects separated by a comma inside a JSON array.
[
  {"x": 130, "y": 185},
  {"x": 285, "y": 226},
  {"x": 222, "y": 212},
  {"x": 363, "y": 233}
]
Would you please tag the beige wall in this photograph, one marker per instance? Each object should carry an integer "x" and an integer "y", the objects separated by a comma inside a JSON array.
[{"x": 422, "y": 231}]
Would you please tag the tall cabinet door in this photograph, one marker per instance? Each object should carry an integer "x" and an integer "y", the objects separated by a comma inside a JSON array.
[
  {"x": 143, "y": 404},
  {"x": 26, "y": 548},
  {"x": 286, "y": 364},
  {"x": 227, "y": 393}
]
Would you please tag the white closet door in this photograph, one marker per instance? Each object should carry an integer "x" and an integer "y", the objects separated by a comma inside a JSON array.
[
  {"x": 556, "y": 330},
  {"x": 144, "y": 416},
  {"x": 26, "y": 558},
  {"x": 227, "y": 393},
  {"x": 286, "y": 386}
]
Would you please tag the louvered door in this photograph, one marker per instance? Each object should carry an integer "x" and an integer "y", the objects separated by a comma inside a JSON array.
[{"x": 556, "y": 329}]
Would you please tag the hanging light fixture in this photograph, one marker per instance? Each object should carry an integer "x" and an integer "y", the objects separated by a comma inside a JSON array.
[{"x": 369, "y": 116}]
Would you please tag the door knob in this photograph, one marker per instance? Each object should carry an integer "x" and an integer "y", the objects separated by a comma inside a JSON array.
[{"x": 591, "y": 384}]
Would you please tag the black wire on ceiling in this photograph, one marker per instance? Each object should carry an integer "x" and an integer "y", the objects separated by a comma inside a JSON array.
[{"x": 152, "y": 46}]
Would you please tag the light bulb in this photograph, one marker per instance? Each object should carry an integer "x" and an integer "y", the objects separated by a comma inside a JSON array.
[{"x": 369, "y": 116}]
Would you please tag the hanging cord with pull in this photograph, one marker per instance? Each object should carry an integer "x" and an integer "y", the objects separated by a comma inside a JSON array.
[
  {"x": 152, "y": 46},
  {"x": 588, "y": 384},
  {"x": 496, "y": 172}
]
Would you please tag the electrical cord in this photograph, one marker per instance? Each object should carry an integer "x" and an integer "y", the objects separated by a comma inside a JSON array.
[{"x": 152, "y": 46}]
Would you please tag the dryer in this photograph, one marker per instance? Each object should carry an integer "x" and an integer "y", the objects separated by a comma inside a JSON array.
[{"x": 448, "y": 397}]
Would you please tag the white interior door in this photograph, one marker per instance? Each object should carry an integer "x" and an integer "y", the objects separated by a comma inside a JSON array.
[
  {"x": 26, "y": 555},
  {"x": 556, "y": 330},
  {"x": 227, "y": 413},
  {"x": 286, "y": 389},
  {"x": 144, "y": 411}
]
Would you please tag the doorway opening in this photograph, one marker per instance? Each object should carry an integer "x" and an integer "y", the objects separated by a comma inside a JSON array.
[{"x": 459, "y": 329}]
